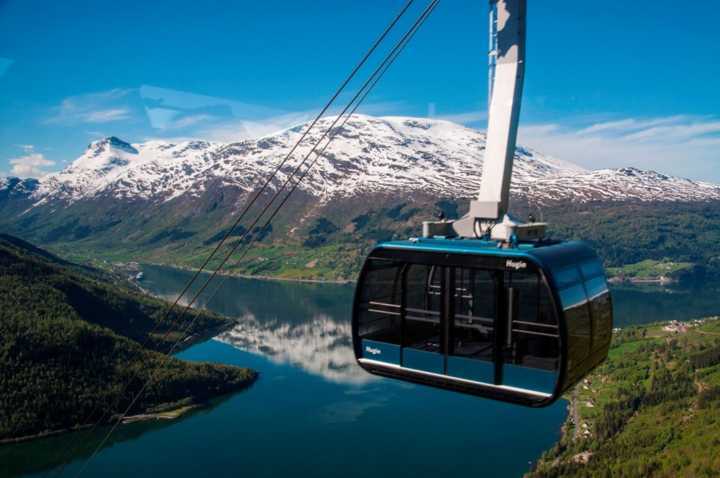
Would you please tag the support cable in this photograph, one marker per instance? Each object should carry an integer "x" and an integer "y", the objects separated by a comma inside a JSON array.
[
  {"x": 257, "y": 195},
  {"x": 382, "y": 67},
  {"x": 371, "y": 81},
  {"x": 222, "y": 279}
]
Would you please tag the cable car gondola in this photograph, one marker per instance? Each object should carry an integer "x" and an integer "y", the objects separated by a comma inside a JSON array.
[
  {"x": 485, "y": 305},
  {"x": 521, "y": 324}
]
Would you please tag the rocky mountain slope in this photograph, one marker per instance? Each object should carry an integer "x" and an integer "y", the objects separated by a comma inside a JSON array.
[
  {"x": 368, "y": 155},
  {"x": 170, "y": 202}
]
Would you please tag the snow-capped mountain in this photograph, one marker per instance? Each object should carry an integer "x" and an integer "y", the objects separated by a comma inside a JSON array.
[
  {"x": 171, "y": 202},
  {"x": 369, "y": 155}
]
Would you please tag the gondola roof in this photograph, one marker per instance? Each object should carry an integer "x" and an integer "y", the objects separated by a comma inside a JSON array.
[{"x": 546, "y": 254}]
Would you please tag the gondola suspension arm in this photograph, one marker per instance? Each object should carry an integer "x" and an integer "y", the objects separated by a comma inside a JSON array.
[{"x": 489, "y": 213}]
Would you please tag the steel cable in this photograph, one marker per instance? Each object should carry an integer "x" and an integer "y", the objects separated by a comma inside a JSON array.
[
  {"x": 362, "y": 93},
  {"x": 312, "y": 164},
  {"x": 254, "y": 199},
  {"x": 382, "y": 67}
]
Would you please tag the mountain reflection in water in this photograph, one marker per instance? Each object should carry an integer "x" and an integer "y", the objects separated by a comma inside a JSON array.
[
  {"x": 307, "y": 325},
  {"x": 321, "y": 346}
]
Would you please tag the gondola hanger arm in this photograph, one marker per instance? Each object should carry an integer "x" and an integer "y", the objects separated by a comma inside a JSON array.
[{"x": 489, "y": 213}]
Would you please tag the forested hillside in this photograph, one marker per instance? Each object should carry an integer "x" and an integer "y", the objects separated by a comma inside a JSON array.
[
  {"x": 652, "y": 410},
  {"x": 75, "y": 347},
  {"x": 331, "y": 244}
]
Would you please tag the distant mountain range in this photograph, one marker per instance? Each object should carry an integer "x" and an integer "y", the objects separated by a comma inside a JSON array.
[
  {"x": 369, "y": 155},
  {"x": 166, "y": 201}
]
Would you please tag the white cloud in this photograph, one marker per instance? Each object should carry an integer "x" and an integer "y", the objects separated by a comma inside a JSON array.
[
  {"x": 192, "y": 120},
  {"x": 101, "y": 107},
  {"x": 628, "y": 125},
  {"x": 246, "y": 129},
  {"x": 106, "y": 116},
  {"x": 465, "y": 117},
  {"x": 32, "y": 165},
  {"x": 175, "y": 113},
  {"x": 681, "y": 145},
  {"x": 676, "y": 132}
]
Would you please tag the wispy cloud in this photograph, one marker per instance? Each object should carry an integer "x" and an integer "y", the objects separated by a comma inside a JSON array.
[
  {"x": 106, "y": 116},
  {"x": 172, "y": 111},
  {"x": 683, "y": 145},
  {"x": 31, "y": 165},
  {"x": 244, "y": 129},
  {"x": 182, "y": 114},
  {"x": 93, "y": 108},
  {"x": 628, "y": 125},
  {"x": 468, "y": 118}
]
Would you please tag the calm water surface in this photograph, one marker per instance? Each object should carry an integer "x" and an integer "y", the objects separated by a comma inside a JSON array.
[{"x": 313, "y": 412}]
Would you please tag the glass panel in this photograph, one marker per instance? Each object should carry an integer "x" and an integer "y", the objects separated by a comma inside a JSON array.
[
  {"x": 573, "y": 296},
  {"x": 577, "y": 315},
  {"x": 601, "y": 309},
  {"x": 532, "y": 352},
  {"x": 473, "y": 327},
  {"x": 422, "y": 331},
  {"x": 600, "y": 305},
  {"x": 579, "y": 332},
  {"x": 535, "y": 337},
  {"x": 379, "y": 315},
  {"x": 529, "y": 378}
]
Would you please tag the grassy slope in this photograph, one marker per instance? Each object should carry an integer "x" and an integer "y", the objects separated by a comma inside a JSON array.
[
  {"x": 70, "y": 341},
  {"x": 653, "y": 409},
  {"x": 649, "y": 269}
]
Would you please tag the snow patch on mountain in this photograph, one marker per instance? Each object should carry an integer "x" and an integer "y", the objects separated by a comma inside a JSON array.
[{"x": 368, "y": 155}]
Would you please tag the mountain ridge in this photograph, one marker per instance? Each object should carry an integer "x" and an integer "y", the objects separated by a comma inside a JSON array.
[
  {"x": 170, "y": 203},
  {"x": 368, "y": 155}
]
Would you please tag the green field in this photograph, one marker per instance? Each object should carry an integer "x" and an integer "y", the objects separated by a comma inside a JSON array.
[{"x": 651, "y": 269}]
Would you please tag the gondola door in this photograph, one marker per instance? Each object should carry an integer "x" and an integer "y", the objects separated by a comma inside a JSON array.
[
  {"x": 528, "y": 334},
  {"x": 423, "y": 331},
  {"x": 476, "y": 299}
]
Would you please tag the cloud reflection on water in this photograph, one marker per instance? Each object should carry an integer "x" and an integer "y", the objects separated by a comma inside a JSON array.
[{"x": 320, "y": 346}]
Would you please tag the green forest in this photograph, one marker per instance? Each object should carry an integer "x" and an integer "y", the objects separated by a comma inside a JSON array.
[
  {"x": 330, "y": 244},
  {"x": 76, "y": 346},
  {"x": 652, "y": 409}
]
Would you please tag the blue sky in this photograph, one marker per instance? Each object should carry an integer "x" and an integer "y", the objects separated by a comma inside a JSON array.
[{"x": 608, "y": 84}]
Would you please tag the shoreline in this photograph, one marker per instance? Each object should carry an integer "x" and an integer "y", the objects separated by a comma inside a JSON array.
[
  {"x": 617, "y": 280},
  {"x": 256, "y": 277},
  {"x": 171, "y": 413}
]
